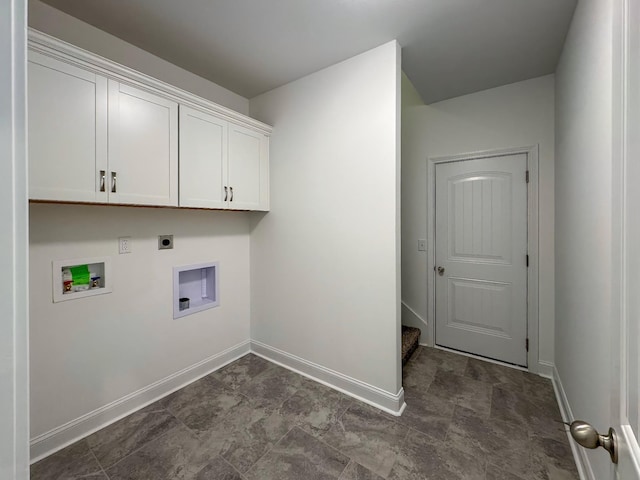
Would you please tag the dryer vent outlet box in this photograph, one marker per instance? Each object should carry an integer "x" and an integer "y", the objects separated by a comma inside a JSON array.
[{"x": 195, "y": 288}]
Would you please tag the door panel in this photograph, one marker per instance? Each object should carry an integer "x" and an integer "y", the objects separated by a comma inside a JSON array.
[
  {"x": 143, "y": 147},
  {"x": 67, "y": 131},
  {"x": 481, "y": 306},
  {"x": 480, "y": 218},
  {"x": 481, "y": 242},
  {"x": 247, "y": 168},
  {"x": 203, "y": 159}
]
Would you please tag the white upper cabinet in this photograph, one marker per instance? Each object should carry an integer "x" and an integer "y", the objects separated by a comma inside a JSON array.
[
  {"x": 143, "y": 147},
  {"x": 248, "y": 169},
  {"x": 222, "y": 165},
  {"x": 67, "y": 131},
  {"x": 98, "y": 140},
  {"x": 103, "y": 133},
  {"x": 203, "y": 160}
]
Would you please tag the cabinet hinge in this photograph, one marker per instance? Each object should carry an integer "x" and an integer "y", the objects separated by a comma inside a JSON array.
[
  {"x": 527, "y": 176},
  {"x": 527, "y": 344},
  {"x": 527, "y": 258}
]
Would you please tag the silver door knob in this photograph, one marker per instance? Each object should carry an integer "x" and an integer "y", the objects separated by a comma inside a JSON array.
[
  {"x": 441, "y": 271},
  {"x": 588, "y": 437}
]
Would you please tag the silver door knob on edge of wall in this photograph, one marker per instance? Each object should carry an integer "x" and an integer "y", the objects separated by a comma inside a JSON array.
[
  {"x": 588, "y": 437},
  {"x": 441, "y": 271}
]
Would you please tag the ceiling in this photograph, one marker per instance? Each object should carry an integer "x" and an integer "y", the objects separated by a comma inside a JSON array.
[{"x": 450, "y": 47}]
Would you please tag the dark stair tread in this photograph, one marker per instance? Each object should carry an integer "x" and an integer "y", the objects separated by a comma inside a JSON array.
[{"x": 410, "y": 342}]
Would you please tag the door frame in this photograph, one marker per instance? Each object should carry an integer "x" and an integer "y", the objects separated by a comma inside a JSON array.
[
  {"x": 14, "y": 245},
  {"x": 625, "y": 147},
  {"x": 531, "y": 152}
]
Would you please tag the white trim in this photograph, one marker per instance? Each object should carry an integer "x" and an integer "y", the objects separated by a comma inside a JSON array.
[
  {"x": 624, "y": 368},
  {"x": 14, "y": 245},
  {"x": 545, "y": 369},
  {"x": 388, "y": 402},
  {"x": 64, "y": 435},
  {"x": 629, "y": 327},
  {"x": 53, "y": 47},
  {"x": 532, "y": 240},
  {"x": 633, "y": 450},
  {"x": 579, "y": 454},
  {"x": 411, "y": 318}
]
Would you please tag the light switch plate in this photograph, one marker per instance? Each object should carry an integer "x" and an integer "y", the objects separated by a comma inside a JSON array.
[{"x": 422, "y": 245}]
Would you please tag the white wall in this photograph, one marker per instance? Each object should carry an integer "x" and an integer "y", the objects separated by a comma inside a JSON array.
[
  {"x": 65, "y": 27},
  {"x": 89, "y": 352},
  {"x": 583, "y": 216},
  {"x": 516, "y": 115},
  {"x": 324, "y": 261},
  {"x": 14, "y": 357}
]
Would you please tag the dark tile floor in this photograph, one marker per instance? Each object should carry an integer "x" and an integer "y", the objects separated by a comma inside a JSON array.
[{"x": 253, "y": 420}]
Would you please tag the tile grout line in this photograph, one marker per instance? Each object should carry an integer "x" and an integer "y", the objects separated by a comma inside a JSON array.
[
  {"x": 401, "y": 448},
  {"x": 345, "y": 467},
  {"x": 329, "y": 446},
  {"x": 339, "y": 417},
  {"x": 147, "y": 443},
  {"x": 230, "y": 464},
  {"x": 250, "y": 403},
  {"x": 486, "y": 468},
  {"x": 271, "y": 411},
  {"x": 321, "y": 440},
  {"x": 98, "y": 461},
  {"x": 134, "y": 451},
  {"x": 268, "y": 451}
]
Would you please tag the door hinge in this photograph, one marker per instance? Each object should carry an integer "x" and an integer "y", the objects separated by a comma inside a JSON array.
[
  {"x": 527, "y": 344},
  {"x": 527, "y": 257},
  {"x": 527, "y": 176}
]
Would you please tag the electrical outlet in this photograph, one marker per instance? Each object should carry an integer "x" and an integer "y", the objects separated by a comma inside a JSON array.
[
  {"x": 165, "y": 242},
  {"x": 124, "y": 245},
  {"x": 422, "y": 245}
]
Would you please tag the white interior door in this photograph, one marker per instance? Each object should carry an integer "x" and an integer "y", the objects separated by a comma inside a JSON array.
[
  {"x": 626, "y": 368},
  {"x": 481, "y": 257}
]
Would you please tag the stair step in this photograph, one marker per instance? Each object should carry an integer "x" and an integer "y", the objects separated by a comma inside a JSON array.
[{"x": 410, "y": 342}]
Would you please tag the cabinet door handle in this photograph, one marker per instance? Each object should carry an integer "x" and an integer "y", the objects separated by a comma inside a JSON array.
[
  {"x": 114, "y": 178},
  {"x": 231, "y": 199},
  {"x": 102, "y": 179},
  {"x": 226, "y": 194}
]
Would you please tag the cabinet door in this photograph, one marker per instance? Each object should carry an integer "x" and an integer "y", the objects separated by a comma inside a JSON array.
[
  {"x": 143, "y": 147},
  {"x": 203, "y": 160},
  {"x": 248, "y": 169},
  {"x": 67, "y": 131}
]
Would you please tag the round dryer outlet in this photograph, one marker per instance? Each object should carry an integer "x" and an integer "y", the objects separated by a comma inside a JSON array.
[{"x": 165, "y": 242}]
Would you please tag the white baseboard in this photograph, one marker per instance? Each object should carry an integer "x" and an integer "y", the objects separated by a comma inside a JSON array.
[
  {"x": 545, "y": 369},
  {"x": 388, "y": 402},
  {"x": 410, "y": 318},
  {"x": 64, "y": 435},
  {"x": 56, "y": 439},
  {"x": 579, "y": 454}
]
